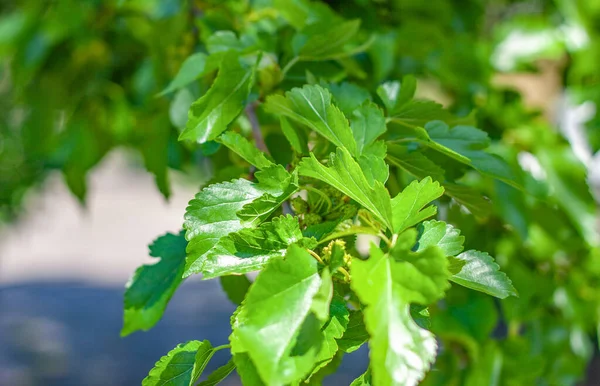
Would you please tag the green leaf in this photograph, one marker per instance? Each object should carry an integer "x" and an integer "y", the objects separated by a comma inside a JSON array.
[
  {"x": 372, "y": 162},
  {"x": 348, "y": 96},
  {"x": 223, "y": 41},
  {"x": 246, "y": 370},
  {"x": 367, "y": 123},
  {"x": 395, "y": 95},
  {"x": 250, "y": 249},
  {"x": 213, "y": 213},
  {"x": 414, "y": 162},
  {"x": 191, "y": 69},
  {"x": 297, "y": 137},
  {"x": 408, "y": 207},
  {"x": 311, "y": 106},
  {"x": 333, "y": 330},
  {"x": 244, "y": 149},
  {"x": 272, "y": 317},
  {"x": 294, "y": 12},
  {"x": 219, "y": 374},
  {"x": 444, "y": 236},
  {"x": 363, "y": 380},
  {"x": 235, "y": 287},
  {"x": 481, "y": 273},
  {"x": 151, "y": 287},
  {"x": 401, "y": 351},
  {"x": 209, "y": 116},
  {"x": 282, "y": 183},
  {"x": 356, "y": 333},
  {"x": 470, "y": 198},
  {"x": 345, "y": 174},
  {"x": 466, "y": 144},
  {"x": 326, "y": 40},
  {"x": 182, "y": 366}
]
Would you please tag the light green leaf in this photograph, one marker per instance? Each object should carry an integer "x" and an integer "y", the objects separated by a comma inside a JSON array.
[
  {"x": 481, "y": 273},
  {"x": 356, "y": 333},
  {"x": 219, "y": 374},
  {"x": 363, "y": 380},
  {"x": 345, "y": 174},
  {"x": 401, "y": 351},
  {"x": 297, "y": 137},
  {"x": 274, "y": 316},
  {"x": 209, "y": 116},
  {"x": 372, "y": 162},
  {"x": 295, "y": 12},
  {"x": 325, "y": 40},
  {"x": 348, "y": 96},
  {"x": 281, "y": 183},
  {"x": 213, "y": 213},
  {"x": 191, "y": 69},
  {"x": 151, "y": 287},
  {"x": 444, "y": 236},
  {"x": 244, "y": 149},
  {"x": 246, "y": 370},
  {"x": 250, "y": 249},
  {"x": 367, "y": 123},
  {"x": 235, "y": 287},
  {"x": 182, "y": 366},
  {"x": 311, "y": 106},
  {"x": 408, "y": 207}
]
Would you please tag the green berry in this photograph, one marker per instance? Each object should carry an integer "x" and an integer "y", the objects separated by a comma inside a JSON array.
[
  {"x": 299, "y": 205},
  {"x": 312, "y": 219}
]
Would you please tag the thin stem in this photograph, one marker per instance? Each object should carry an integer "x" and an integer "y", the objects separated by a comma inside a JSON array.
[
  {"x": 316, "y": 256},
  {"x": 346, "y": 274},
  {"x": 382, "y": 236},
  {"x": 256, "y": 133},
  {"x": 315, "y": 190},
  {"x": 222, "y": 347},
  {"x": 289, "y": 65}
]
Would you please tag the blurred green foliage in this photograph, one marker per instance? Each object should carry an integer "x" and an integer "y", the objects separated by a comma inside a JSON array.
[{"x": 79, "y": 78}]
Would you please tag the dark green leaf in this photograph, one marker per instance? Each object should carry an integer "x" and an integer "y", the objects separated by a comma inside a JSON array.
[
  {"x": 326, "y": 40},
  {"x": 235, "y": 287},
  {"x": 414, "y": 162},
  {"x": 152, "y": 286},
  {"x": 297, "y": 137},
  {"x": 219, "y": 374},
  {"x": 348, "y": 96},
  {"x": 355, "y": 335}
]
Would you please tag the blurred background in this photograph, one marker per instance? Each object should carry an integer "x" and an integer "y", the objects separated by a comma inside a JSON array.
[{"x": 91, "y": 172}]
